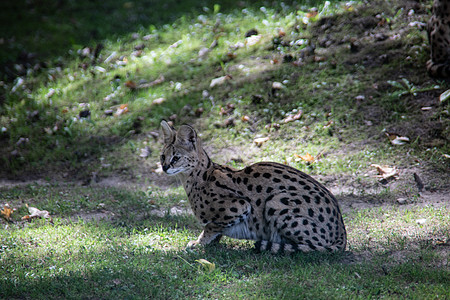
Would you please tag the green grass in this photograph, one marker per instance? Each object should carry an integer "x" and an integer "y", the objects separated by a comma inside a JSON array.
[
  {"x": 42, "y": 131},
  {"x": 134, "y": 254}
]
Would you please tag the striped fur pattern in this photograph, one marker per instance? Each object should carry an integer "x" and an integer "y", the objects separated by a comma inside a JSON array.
[
  {"x": 438, "y": 30},
  {"x": 282, "y": 209}
]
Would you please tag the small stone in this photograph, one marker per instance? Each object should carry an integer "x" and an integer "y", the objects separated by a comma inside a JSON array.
[
  {"x": 421, "y": 221},
  {"x": 402, "y": 201}
]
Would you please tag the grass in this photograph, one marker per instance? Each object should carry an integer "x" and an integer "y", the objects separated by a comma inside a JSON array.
[
  {"x": 43, "y": 132},
  {"x": 135, "y": 254},
  {"x": 117, "y": 230}
]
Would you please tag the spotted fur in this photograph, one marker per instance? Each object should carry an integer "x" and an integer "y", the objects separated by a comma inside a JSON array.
[
  {"x": 438, "y": 30},
  {"x": 281, "y": 208}
]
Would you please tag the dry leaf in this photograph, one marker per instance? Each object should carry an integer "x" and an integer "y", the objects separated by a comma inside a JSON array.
[
  {"x": 159, "y": 101},
  {"x": 400, "y": 140},
  {"x": 307, "y": 157},
  {"x": 123, "y": 108},
  {"x": 396, "y": 139},
  {"x": 260, "y": 141},
  {"x": 292, "y": 118},
  {"x": 159, "y": 169},
  {"x": 329, "y": 123},
  {"x": 157, "y": 81},
  {"x": 208, "y": 266},
  {"x": 7, "y": 212},
  {"x": 386, "y": 172},
  {"x": 277, "y": 85},
  {"x": 253, "y": 40},
  {"x": 311, "y": 14},
  {"x": 228, "y": 110},
  {"x": 130, "y": 84},
  {"x": 219, "y": 81},
  {"x": 245, "y": 118},
  {"x": 36, "y": 213},
  {"x": 145, "y": 152}
]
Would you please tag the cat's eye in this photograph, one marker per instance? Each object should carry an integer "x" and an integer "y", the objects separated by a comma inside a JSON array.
[{"x": 175, "y": 159}]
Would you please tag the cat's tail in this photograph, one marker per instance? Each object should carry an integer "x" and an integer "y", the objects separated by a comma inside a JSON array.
[{"x": 288, "y": 248}]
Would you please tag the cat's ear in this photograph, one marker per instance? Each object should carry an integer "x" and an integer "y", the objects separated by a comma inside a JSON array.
[
  {"x": 168, "y": 132},
  {"x": 187, "y": 136}
]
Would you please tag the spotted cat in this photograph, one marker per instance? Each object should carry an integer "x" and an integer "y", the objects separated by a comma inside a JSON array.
[
  {"x": 438, "y": 29},
  {"x": 281, "y": 208}
]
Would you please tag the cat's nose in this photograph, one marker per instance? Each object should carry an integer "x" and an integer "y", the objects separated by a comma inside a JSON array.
[{"x": 165, "y": 168}]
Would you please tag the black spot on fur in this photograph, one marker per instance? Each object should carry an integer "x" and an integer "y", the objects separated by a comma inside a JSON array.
[
  {"x": 310, "y": 212},
  {"x": 234, "y": 209},
  {"x": 269, "y": 189},
  {"x": 285, "y": 201},
  {"x": 276, "y": 180},
  {"x": 258, "y": 189},
  {"x": 321, "y": 218},
  {"x": 248, "y": 170},
  {"x": 284, "y": 211},
  {"x": 307, "y": 198},
  {"x": 267, "y": 175},
  {"x": 256, "y": 175},
  {"x": 271, "y": 212}
]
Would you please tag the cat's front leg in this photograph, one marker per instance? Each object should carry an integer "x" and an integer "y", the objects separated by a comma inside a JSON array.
[{"x": 211, "y": 234}]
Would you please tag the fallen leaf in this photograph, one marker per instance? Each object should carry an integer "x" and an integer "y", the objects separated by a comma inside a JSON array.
[
  {"x": 328, "y": 124},
  {"x": 395, "y": 139},
  {"x": 131, "y": 84},
  {"x": 385, "y": 172},
  {"x": 253, "y": 40},
  {"x": 245, "y": 118},
  {"x": 158, "y": 101},
  {"x": 307, "y": 157},
  {"x": 292, "y": 118},
  {"x": 123, "y": 108},
  {"x": 219, "y": 80},
  {"x": 311, "y": 14},
  {"x": 7, "y": 212},
  {"x": 36, "y": 213},
  {"x": 157, "y": 81},
  {"x": 208, "y": 266},
  {"x": 145, "y": 152},
  {"x": 228, "y": 110},
  {"x": 277, "y": 85},
  {"x": 400, "y": 140},
  {"x": 260, "y": 141},
  {"x": 159, "y": 169}
]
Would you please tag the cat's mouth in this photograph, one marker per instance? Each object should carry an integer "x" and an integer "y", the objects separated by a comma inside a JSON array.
[{"x": 171, "y": 172}]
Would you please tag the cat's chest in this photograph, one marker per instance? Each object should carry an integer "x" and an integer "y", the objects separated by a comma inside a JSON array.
[{"x": 240, "y": 230}]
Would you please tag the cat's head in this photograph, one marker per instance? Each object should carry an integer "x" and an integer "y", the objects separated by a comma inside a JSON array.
[{"x": 180, "y": 152}]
